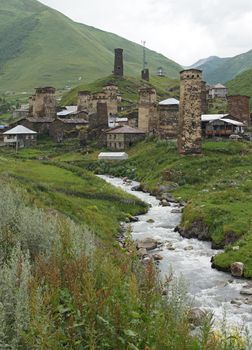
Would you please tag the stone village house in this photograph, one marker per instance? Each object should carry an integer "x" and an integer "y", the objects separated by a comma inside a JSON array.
[{"x": 123, "y": 137}]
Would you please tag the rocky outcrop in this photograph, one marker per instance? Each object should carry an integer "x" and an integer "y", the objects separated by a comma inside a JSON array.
[{"x": 198, "y": 229}]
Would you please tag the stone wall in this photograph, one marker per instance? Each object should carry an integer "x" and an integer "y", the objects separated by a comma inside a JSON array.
[
  {"x": 88, "y": 101},
  {"x": 190, "y": 133},
  {"x": 100, "y": 118},
  {"x": 204, "y": 98},
  {"x": 238, "y": 107},
  {"x": 168, "y": 116},
  {"x": 44, "y": 103},
  {"x": 122, "y": 141},
  {"x": 147, "y": 111}
]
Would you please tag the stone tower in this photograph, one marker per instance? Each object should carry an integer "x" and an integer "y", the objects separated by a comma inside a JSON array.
[
  {"x": 44, "y": 103},
  {"x": 204, "y": 98},
  {"x": 84, "y": 101},
  {"x": 111, "y": 92},
  {"x": 147, "y": 111},
  {"x": 100, "y": 118},
  {"x": 118, "y": 65},
  {"x": 238, "y": 107},
  {"x": 145, "y": 75},
  {"x": 190, "y": 134}
]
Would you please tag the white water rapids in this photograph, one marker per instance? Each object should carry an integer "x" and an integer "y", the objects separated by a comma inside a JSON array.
[{"x": 209, "y": 289}]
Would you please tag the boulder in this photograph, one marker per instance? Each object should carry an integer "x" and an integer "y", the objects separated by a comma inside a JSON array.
[
  {"x": 169, "y": 198},
  {"x": 133, "y": 219},
  {"x": 190, "y": 247},
  {"x": 246, "y": 291},
  {"x": 198, "y": 229},
  {"x": 237, "y": 302},
  {"x": 164, "y": 203},
  {"x": 196, "y": 316},
  {"x": 150, "y": 221},
  {"x": 176, "y": 211},
  {"x": 157, "y": 257},
  {"x": 148, "y": 244},
  {"x": 142, "y": 252},
  {"x": 237, "y": 269},
  {"x": 136, "y": 188}
]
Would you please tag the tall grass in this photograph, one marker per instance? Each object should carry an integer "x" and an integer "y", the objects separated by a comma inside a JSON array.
[{"x": 61, "y": 288}]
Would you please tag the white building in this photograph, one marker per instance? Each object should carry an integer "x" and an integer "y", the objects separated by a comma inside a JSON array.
[{"x": 20, "y": 137}]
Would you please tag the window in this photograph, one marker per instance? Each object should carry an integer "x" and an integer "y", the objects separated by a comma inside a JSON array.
[
  {"x": 114, "y": 137},
  {"x": 120, "y": 144}
]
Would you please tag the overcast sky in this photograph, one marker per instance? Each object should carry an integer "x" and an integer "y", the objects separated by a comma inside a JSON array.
[{"x": 183, "y": 30}]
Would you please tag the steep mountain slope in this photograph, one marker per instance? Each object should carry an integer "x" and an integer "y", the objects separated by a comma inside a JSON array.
[
  {"x": 40, "y": 46},
  {"x": 209, "y": 66},
  {"x": 216, "y": 69},
  {"x": 242, "y": 84}
]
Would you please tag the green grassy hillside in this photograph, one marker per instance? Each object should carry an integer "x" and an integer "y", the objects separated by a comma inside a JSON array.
[
  {"x": 128, "y": 88},
  {"x": 242, "y": 84},
  {"x": 40, "y": 46}
]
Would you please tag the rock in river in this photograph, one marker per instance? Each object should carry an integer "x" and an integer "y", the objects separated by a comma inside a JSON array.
[
  {"x": 246, "y": 291},
  {"x": 237, "y": 269},
  {"x": 147, "y": 243}
]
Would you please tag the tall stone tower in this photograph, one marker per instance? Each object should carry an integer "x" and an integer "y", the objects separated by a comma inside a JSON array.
[
  {"x": 118, "y": 65},
  {"x": 84, "y": 101},
  {"x": 111, "y": 92},
  {"x": 44, "y": 103},
  {"x": 204, "y": 98},
  {"x": 145, "y": 75},
  {"x": 147, "y": 110},
  {"x": 190, "y": 134},
  {"x": 239, "y": 107}
]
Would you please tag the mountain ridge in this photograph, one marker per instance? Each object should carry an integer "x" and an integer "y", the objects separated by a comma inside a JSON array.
[
  {"x": 223, "y": 69},
  {"x": 41, "y": 46}
]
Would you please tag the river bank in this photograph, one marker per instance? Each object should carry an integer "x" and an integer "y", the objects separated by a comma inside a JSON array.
[{"x": 208, "y": 289}]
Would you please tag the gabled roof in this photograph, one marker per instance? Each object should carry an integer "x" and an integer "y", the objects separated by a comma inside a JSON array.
[
  {"x": 211, "y": 117},
  {"x": 68, "y": 110},
  {"x": 233, "y": 122},
  {"x": 218, "y": 86},
  {"x": 125, "y": 130},
  {"x": 20, "y": 130},
  {"x": 169, "y": 101}
]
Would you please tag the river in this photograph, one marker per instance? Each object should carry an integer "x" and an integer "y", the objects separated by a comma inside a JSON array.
[{"x": 208, "y": 288}]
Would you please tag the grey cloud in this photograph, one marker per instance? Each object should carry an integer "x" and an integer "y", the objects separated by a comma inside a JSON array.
[{"x": 184, "y": 30}]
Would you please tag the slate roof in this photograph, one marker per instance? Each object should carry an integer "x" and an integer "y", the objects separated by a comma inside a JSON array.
[{"x": 73, "y": 121}]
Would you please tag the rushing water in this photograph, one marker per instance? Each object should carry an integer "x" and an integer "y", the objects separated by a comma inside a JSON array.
[{"x": 209, "y": 289}]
